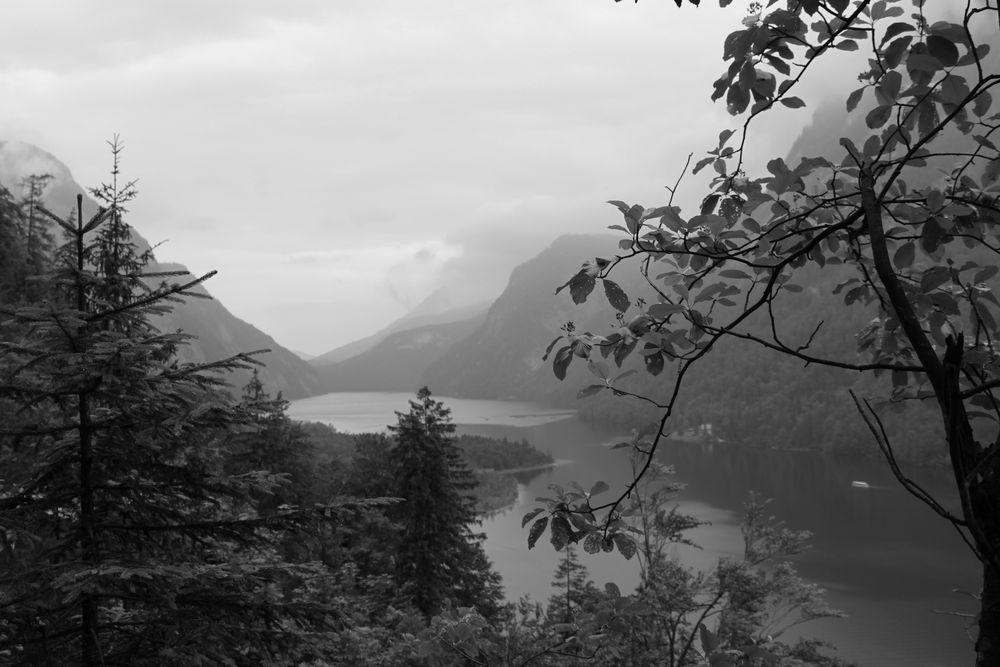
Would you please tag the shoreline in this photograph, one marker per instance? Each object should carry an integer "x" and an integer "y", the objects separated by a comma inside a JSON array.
[{"x": 533, "y": 468}]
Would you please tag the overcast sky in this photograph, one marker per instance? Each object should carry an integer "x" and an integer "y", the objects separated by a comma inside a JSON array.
[{"x": 337, "y": 161}]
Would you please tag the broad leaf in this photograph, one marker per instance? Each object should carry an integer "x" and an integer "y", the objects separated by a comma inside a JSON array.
[
  {"x": 616, "y": 295},
  {"x": 599, "y": 487},
  {"x": 854, "y": 98},
  {"x": 943, "y": 49},
  {"x": 531, "y": 515},
  {"x": 590, "y": 390},
  {"x": 536, "y": 531},
  {"x": 581, "y": 286},
  {"x": 903, "y": 258}
]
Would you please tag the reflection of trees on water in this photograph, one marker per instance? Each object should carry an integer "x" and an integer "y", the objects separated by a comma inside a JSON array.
[{"x": 881, "y": 526}]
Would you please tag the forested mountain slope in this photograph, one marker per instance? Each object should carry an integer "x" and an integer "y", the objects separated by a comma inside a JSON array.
[
  {"x": 439, "y": 308},
  {"x": 398, "y": 361},
  {"x": 503, "y": 357},
  {"x": 219, "y": 333}
]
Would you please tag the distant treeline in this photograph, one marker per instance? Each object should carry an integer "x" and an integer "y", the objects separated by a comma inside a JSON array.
[
  {"x": 489, "y": 458},
  {"x": 487, "y": 453},
  {"x": 753, "y": 396}
]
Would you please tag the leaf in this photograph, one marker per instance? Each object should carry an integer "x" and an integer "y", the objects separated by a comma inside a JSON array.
[
  {"x": 935, "y": 199},
  {"x": 590, "y": 390},
  {"x": 709, "y": 642},
  {"x": 981, "y": 105},
  {"x": 893, "y": 55},
  {"x": 943, "y": 49},
  {"x": 581, "y": 286},
  {"x": 992, "y": 172},
  {"x": 592, "y": 543},
  {"x": 548, "y": 350},
  {"x": 890, "y": 83},
  {"x": 536, "y": 531},
  {"x": 708, "y": 204},
  {"x": 622, "y": 350},
  {"x": 654, "y": 363},
  {"x": 933, "y": 278},
  {"x": 598, "y": 368},
  {"x": 737, "y": 99},
  {"x": 985, "y": 274},
  {"x": 931, "y": 235},
  {"x": 795, "y": 102},
  {"x": 903, "y": 258},
  {"x": 599, "y": 487},
  {"x": 616, "y": 295},
  {"x": 622, "y": 376},
  {"x": 878, "y": 116},
  {"x": 560, "y": 532},
  {"x": 625, "y": 544},
  {"x": 701, "y": 164},
  {"x": 896, "y": 29},
  {"x": 633, "y": 218},
  {"x": 854, "y": 98},
  {"x": 661, "y": 310},
  {"x": 559, "y": 365},
  {"x": 531, "y": 515},
  {"x": 735, "y": 274}
]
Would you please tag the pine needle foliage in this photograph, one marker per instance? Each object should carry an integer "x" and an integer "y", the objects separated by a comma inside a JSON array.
[
  {"x": 440, "y": 559},
  {"x": 123, "y": 538}
]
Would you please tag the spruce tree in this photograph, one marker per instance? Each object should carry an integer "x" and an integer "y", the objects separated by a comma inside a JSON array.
[
  {"x": 123, "y": 538},
  {"x": 440, "y": 559},
  {"x": 577, "y": 593}
]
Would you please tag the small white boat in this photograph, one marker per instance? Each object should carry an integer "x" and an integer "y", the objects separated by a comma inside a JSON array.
[{"x": 861, "y": 485}]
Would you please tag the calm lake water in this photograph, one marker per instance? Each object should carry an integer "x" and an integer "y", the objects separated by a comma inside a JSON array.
[{"x": 883, "y": 557}]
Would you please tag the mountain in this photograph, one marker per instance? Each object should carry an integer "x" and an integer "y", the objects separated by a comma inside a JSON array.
[
  {"x": 441, "y": 307},
  {"x": 502, "y": 358},
  {"x": 746, "y": 392},
  {"x": 219, "y": 333},
  {"x": 398, "y": 361}
]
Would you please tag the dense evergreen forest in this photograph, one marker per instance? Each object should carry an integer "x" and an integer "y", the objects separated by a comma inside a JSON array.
[{"x": 152, "y": 514}]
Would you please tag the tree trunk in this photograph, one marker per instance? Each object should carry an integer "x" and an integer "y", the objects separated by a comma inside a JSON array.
[{"x": 988, "y": 641}]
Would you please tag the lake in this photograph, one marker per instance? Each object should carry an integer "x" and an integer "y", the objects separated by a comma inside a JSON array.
[{"x": 883, "y": 557}]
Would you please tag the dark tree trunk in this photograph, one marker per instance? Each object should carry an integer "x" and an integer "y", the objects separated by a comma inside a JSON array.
[{"x": 988, "y": 641}]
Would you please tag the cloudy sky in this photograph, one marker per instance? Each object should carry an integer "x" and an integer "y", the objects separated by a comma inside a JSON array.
[{"x": 338, "y": 161}]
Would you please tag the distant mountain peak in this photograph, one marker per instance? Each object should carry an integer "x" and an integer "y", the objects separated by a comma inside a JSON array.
[{"x": 19, "y": 159}]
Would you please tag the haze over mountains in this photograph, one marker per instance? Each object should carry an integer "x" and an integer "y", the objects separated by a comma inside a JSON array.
[{"x": 494, "y": 350}]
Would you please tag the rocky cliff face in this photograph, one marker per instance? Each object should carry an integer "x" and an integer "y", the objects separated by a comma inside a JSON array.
[{"x": 219, "y": 333}]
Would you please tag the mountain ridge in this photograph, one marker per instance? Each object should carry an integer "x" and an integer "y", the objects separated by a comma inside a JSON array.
[
  {"x": 437, "y": 308},
  {"x": 218, "y": 333}
]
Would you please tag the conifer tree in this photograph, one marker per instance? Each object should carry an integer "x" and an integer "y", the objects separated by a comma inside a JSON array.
[
  {"x": 577, "y": 593},
  {"x": 274, "y": 443},
  {"x": 440, "y": 559},
  {"x": 123, "y": 539}
]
